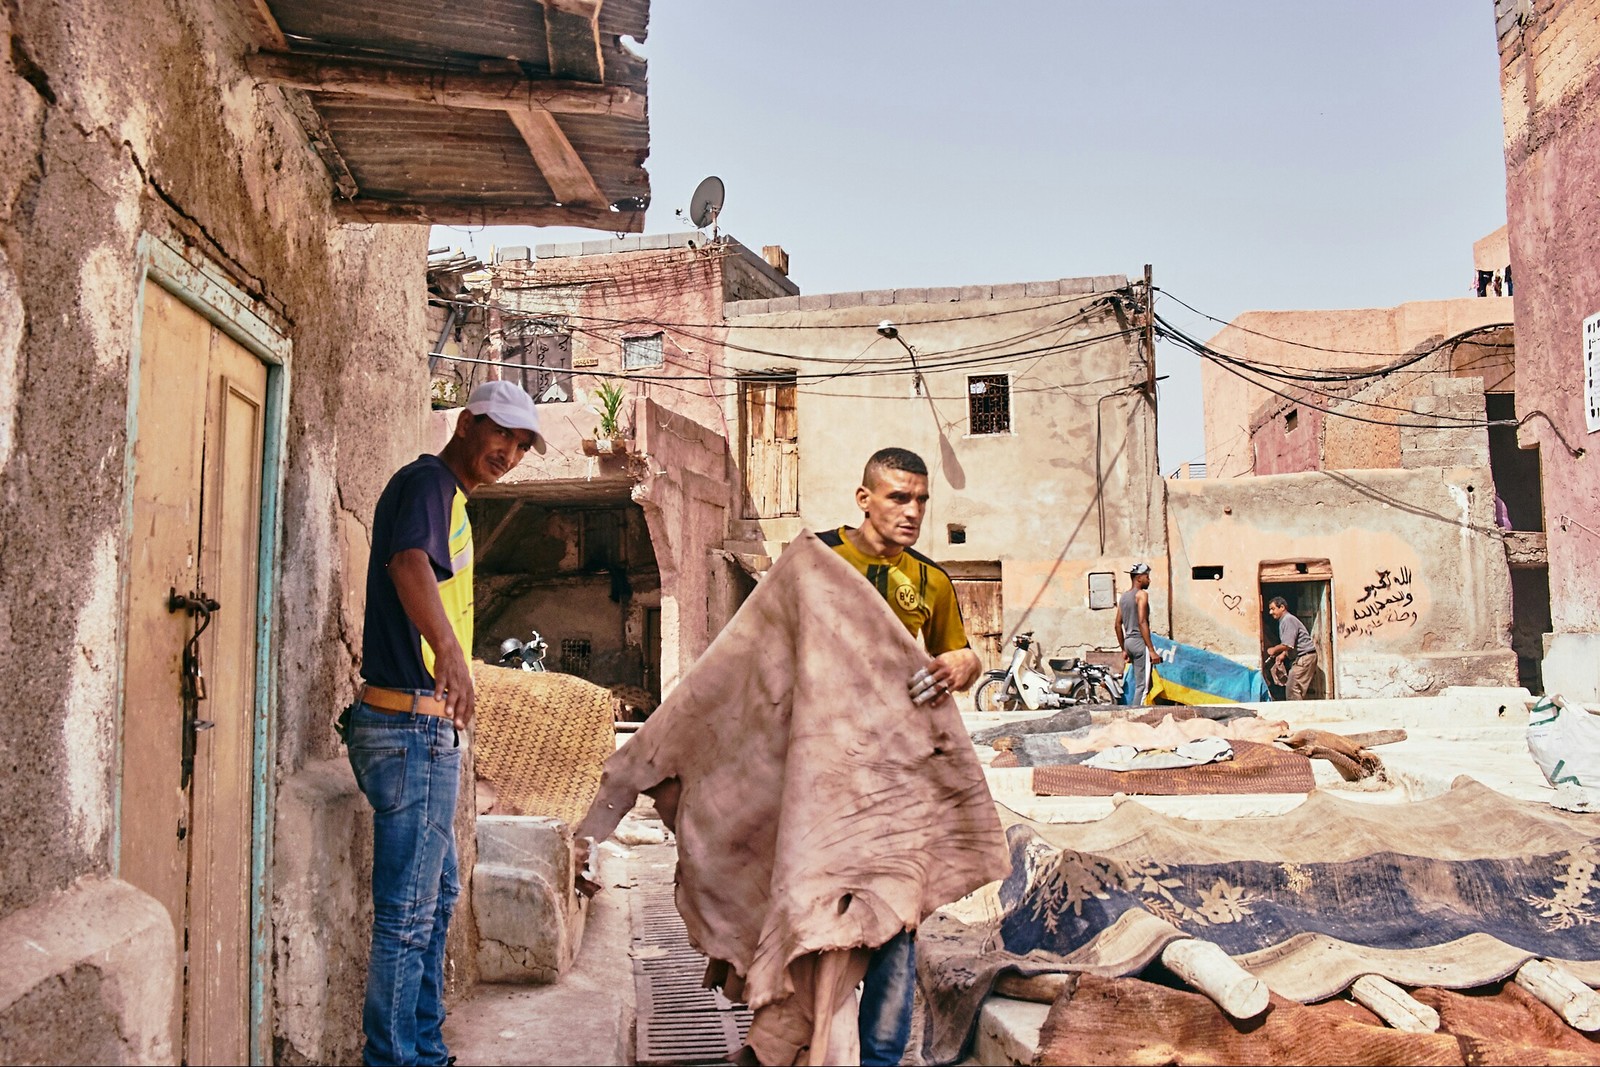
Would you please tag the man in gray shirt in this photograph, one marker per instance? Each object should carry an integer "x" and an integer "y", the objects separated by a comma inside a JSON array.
[
  {"x": 1133, "y": 629},
  {"x": 1294, "y": 647}
]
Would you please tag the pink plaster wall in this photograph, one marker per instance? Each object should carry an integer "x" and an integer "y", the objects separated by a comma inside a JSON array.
[
  {"x": 1550, "y": 88},
  {"x": 685, "y": 491},
  {"x": 1279, "y": 450}
]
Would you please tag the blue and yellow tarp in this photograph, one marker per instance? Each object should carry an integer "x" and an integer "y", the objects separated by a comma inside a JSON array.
[{"x": 1190, "y": 675}]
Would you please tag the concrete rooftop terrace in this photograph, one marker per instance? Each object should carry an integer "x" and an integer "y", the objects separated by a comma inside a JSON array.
[{"x": 1477, "y": 732}]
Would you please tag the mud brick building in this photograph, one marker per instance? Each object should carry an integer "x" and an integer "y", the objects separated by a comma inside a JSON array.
[{"x": 212, "y": 328}]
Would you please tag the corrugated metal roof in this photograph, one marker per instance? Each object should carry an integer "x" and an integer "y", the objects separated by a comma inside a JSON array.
[{"x": 376, "y": 81}]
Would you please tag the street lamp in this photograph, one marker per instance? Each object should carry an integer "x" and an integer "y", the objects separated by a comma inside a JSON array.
[{"x": 888, "y": 329}]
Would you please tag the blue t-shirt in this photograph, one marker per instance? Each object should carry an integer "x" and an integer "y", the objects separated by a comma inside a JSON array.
[{"x": 425, "y": 507}]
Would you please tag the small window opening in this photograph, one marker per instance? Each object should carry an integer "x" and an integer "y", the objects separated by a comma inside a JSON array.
[
  {"x": 575, "y": 653},
  {"x": 956, "y": 533},
  {"x": 1291, "y": 420},
  {"x": 1301, "y": 568},
  {"x": 639, "y": 352},
  {"x": 1102, "y": 590},
  {"x": 1206, "y": 574},
  {"x": 989, "y": 403}
]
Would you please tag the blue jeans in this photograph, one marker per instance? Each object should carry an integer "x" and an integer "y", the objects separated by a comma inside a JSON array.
[
  {"x": 409, "y": 767},
  {"x": 886, "y": 999}
]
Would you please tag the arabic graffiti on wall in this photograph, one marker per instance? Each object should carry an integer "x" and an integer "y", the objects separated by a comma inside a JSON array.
[{"x": 1385, "y": 601}]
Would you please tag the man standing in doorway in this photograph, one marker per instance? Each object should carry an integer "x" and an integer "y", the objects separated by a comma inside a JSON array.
[
  {"x": 1295, "y": 651},
  {"x": 404, "y": 731},
  {"x": 1133, "y": 630},
  {"x": 893, "y": 497}
]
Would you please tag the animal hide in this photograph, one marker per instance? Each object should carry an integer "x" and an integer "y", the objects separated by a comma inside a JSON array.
[
  {"x": 816, "y": 807},
  {"x": 1456, "y": 891}
]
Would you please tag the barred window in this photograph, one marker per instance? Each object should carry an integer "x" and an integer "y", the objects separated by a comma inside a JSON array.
[
  {"x": 575, "y": 656},
  {"x": 989, "y": 403},
  {"x": 638, "y": 352}
]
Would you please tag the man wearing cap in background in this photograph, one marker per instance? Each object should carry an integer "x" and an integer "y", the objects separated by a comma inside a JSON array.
[
  {"x": 403, "y": 732},
  {"x": 1133, "y": 629}
]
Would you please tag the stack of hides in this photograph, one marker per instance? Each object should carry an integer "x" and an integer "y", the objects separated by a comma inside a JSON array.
[
  {"x": 1453, "y": 893},
  {"x": 1156, "y": 754},
  {"x": 816, "y": 808}
]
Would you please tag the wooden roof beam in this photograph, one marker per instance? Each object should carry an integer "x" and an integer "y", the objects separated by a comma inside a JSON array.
[
  {"x": 558, "y": 161},
  {"x": 321, "y": 141},
  {"x": 572, "y": 37},
  {"x": 264, "y": 25},
  {"x": 483, "y": 92},
  {"x": 466, "y": 213}
]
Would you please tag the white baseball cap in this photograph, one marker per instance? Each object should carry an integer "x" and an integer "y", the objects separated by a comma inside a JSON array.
[{"x": 508, "y": 405}]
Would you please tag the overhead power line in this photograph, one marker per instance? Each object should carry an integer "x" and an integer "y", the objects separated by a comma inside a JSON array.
[{"x": 1322, "y": 348}]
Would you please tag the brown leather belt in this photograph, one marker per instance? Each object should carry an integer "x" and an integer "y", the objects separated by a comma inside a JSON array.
[{"x": 400, "y": 702}]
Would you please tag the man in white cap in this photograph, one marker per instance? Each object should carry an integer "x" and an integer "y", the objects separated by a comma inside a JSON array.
[
  {"x": 1133, "y": 629},
  {"x": 403, "y": 732}
]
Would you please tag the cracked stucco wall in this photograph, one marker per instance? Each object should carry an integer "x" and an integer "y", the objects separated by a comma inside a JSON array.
[{"x": 133, "y": 119}]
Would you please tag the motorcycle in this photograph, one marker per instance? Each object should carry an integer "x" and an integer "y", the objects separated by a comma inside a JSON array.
[
  {"x": 1019, "y": 687},
  {"x": 527, "y": 655}
]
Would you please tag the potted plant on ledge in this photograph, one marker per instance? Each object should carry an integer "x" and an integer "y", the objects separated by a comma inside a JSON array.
[{"x": 607, "y": 439}]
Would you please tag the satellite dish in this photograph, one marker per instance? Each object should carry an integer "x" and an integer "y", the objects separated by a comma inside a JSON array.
[{"x": 706, "y": 203}]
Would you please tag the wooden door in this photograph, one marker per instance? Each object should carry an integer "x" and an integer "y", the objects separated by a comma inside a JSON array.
[
  {"x": 981, "y": 615},
  {"x": 1320, "y": 624},
  {"x": 769, "y": 426},
  {"x": 196, "y": 529}
]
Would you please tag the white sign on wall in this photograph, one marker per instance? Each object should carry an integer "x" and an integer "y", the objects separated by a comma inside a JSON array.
[{"x": 1591, "y": 371}]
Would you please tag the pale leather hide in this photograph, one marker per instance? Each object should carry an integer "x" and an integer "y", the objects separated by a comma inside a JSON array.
[{"x": 816, "y": 807}]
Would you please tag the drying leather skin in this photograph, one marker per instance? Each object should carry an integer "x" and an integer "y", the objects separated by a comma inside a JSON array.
[{"x": 816, "y": 807}]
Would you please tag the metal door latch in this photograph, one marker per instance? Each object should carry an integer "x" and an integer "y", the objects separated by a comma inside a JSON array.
[
  {"x": 193, "y": 679},
  {"x": 196, "y": 603}
]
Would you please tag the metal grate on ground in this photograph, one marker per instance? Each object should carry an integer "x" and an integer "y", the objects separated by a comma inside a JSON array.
[{"x": 680, "y": 1022}]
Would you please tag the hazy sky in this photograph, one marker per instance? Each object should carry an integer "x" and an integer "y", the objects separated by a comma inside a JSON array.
[{"x": 1271, "y": 154}]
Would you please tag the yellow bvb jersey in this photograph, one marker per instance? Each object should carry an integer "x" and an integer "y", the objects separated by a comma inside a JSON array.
[
  {"x": 456, "y": 590},
  {"x": 918, "y": 589}
]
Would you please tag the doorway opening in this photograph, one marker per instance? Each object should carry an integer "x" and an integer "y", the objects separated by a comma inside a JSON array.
[
  {"x": 1307, "y": 587},
  {"x": 1530, "y": 621},
  {"x": 977, "y": 586},
  {"x": 581, "y": 571},
  {"x": 1515, "y": 469}
]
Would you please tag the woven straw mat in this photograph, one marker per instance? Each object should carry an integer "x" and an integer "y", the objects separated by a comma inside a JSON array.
[{"x": 540, "y": 739}]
